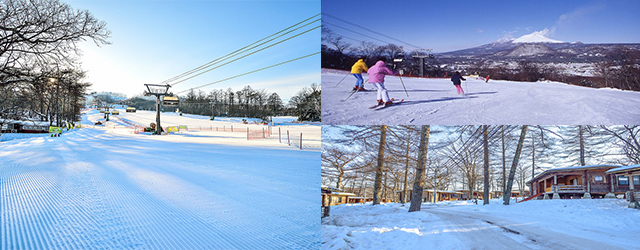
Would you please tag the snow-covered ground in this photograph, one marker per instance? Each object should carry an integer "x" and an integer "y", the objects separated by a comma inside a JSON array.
[
  {"x": 434, "y": 101},
  {"x": 537, "y": 224},
  {"x": 108, "y": 188}
]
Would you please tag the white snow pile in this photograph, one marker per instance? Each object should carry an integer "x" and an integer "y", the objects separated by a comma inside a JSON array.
[
  {"x": 536, "y": 37},
  {"x": 538, "y": 224},
  {"x": 435, "y": 101},
  {"x": 108, "y": 188}
]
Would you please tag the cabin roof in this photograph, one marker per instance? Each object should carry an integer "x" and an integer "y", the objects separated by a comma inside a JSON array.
[
  {"x": 574, "y": 168},
  {"x": 624, "y": 169}
]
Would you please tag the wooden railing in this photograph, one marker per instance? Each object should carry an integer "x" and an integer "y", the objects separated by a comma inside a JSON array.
[{"x": 569, "y": 188}]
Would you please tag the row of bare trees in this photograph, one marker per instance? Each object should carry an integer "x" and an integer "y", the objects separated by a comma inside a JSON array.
[
  {"x": 339, "y": 54},
  {"x": 384, "y": 161},
  {"x": 40, "y": 77},
  {"x": 247, "y": 102}
]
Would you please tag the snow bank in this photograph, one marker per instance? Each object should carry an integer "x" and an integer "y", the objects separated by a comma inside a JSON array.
[
  {"x": 390, "y": 226},
  {"x": 18, "y": 136},
  {"x": 386, "y": 226}
]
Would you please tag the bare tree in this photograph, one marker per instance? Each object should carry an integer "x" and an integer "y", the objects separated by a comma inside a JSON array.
[
  {"x": 335, "y": 161},
  {"x": 628, "y": 139},
  {"x": 39, "y": 33},
  {"x": 485, "y": 135},
  {"x": 416, "y": 197},
  {"x": 507, "y": 193}
]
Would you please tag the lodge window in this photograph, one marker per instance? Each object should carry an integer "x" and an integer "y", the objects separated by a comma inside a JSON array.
[
  {"x": 623, "y": 180},
  {"x": 597, "y": 178},
  {"x": 636, "y": 180}
]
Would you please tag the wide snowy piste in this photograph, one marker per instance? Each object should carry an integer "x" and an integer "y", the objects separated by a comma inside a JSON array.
[
  {"x": 108, "y": 188},
  {"x": 435, "y": 101}
]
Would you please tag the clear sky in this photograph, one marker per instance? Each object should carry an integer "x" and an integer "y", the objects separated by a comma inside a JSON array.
[
  {"x": 452, "y": 25},
  {"x": 154, "y": 40}
]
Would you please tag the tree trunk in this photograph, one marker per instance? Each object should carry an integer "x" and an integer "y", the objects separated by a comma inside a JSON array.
[
  {"x": 582, "y": 163},
  {"x": 416, "y": 197},
  {"x": 485, "y": 197},
  {"x": 533, "y": 157},
  {"x": 406, "y": 171},
  {"x": 507, "y": 193},
  {"x": 378, "y": 181},
  {"x": 504, "y": 163}
]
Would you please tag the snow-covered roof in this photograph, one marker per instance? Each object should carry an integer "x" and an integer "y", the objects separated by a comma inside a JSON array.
[
  {"x": 431, "y": 190},
  {"x": 343, "y": 194},
  {"x": 624, "y": 169},
  {"x": 574, "y": 168},
  {"x": 336, "y": 191}
]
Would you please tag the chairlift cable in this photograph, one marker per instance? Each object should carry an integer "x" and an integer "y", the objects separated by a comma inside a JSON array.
[
  {"x": 229, "y": 78},
  {"x": 245, "y": 55},
  {"x": 367, "y": 29},
  {"x": 241, "y": 50}
]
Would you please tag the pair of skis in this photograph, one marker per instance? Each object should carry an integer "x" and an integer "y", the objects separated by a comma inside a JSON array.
[{"x": 382, "y": 106}]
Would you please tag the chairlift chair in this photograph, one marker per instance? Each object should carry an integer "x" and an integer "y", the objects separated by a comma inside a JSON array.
[{"x": 170, "y": 101}]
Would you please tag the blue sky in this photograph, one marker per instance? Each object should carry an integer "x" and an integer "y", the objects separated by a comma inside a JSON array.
[
  {"x": 452, "y": 25},
  {"x": 156, "y": 40}
]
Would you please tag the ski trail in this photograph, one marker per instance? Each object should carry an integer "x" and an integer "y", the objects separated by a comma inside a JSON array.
[{"x": 79, "y": 192}]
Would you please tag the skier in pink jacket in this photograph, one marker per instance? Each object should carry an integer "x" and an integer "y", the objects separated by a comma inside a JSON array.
[{"x": 376, "y": 77}]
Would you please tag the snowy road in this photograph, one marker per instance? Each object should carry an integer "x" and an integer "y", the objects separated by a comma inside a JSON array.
[
  {"x": 478, "y": 231},
  {"x": 96, "y": 189},
  {"x": 434, "y": 101}
]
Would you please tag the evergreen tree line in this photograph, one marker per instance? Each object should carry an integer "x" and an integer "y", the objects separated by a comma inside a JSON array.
[
  {"x": 379, "y": 161},
  {"x": 40, "y": 77},
  {"x": 247, "y": 102}
]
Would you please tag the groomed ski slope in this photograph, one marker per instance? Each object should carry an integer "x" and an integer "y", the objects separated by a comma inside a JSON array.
[
  {"x": 435, "y": 101},
  {"x": 112, "y": 189}
]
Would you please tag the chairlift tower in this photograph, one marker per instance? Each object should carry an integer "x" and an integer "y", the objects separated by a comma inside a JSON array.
[
  {"x": 158, "y": 91},
  {"x": 422, "y": 54}
]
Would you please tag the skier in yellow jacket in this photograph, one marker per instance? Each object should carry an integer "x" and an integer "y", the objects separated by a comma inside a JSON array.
[{"x": 356, "y": 71}]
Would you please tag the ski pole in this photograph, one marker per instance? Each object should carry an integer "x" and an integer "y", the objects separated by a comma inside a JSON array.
[
  {"x": 342, "y": 79},
  {"x": 352, "y": 92},
  {"x": 405, "y": 89}
]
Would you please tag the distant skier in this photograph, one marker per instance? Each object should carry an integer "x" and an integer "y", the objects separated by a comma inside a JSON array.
[
  {"x": 456, "y": 81},
  {"x": 356, "y": 71},
  {"x": 487, "y": 80},
  {"x": 376, "y": 77}
]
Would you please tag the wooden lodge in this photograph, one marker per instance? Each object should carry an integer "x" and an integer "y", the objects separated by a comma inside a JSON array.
[
  {"x": 332, "y": 196},
  {"x": 429, "y": 195},
  {"x": 366, "y": 199},
  {"x": 629, "y": 175},
  {"x": 580, "y": 182}
]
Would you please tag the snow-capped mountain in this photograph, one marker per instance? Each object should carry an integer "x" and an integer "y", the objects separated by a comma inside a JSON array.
[
  {"x": 536, "y": 37},
  {"x": 536, "y": 47}
]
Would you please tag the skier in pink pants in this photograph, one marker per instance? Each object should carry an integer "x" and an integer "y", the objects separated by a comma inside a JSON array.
[
  {"x": 376, "y": 78},
  {"x": 456, "y": 81}
]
